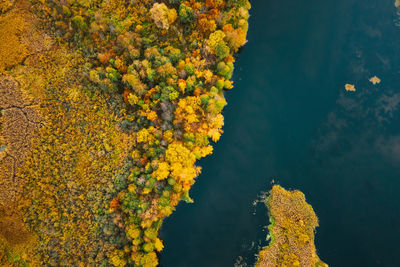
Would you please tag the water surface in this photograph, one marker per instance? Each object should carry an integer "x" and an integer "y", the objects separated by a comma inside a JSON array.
[{"x": 289, "y": 119}]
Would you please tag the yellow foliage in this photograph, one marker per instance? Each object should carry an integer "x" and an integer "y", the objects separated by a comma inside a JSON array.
[
  {"x": 151, "y": 115},
  {"x": 235, "y": 37},
  {"x": 189, "y": 111},
  {"x": 162, "y": 171},
  {"x": 182, "y": 85},
  {"x": 214, "y": 134},
  {"x": 135, "y": 154},
  {"x": 294, "y": 222},
  {"x": 117, "y": 259},
  {"x": 207, "y": 74},
  {"x": 350, "y": 87},
  {"x": 184, "y": 174},
  {"x": 135, "y": 83},
  {"x": 133, "y": 232},
  {"x": 177, "y": 153},
  {"x": 12, "y": 48},
  {"x": 162, "y": 16},
  {"x": 132, "y": 188},
  {"x": 149, "y": 260},
  {"x": 202, "y": 152},
  {"x": 5, "y": 5},
  {"x": 216, "y": 38},
  {"x": 133, "y": 99},
  {"x": 158, "y": 244},
  {"x": 143, "y": 136},
  {"x": 80, "y": 164},
  {"x": 168, "y": 136},
  {"x": 375, "y": 80}
]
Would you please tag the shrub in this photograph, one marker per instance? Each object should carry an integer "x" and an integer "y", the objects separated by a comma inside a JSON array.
[{"x": 186, "y": 13}]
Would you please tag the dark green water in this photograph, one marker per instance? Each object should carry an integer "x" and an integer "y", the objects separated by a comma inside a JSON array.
[{"x": 290, "y": 119}]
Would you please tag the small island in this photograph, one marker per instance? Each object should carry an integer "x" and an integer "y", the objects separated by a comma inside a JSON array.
[{"x": 291, "y": 232}]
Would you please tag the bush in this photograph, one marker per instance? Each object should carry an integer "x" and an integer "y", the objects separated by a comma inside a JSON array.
[{"x": 185, "y": 13}]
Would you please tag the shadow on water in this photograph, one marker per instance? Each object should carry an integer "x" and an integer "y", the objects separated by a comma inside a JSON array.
[{"x": 289, "y": 119}]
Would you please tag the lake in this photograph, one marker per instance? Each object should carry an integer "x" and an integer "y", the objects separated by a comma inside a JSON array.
[{"x": 290, "y": 120}]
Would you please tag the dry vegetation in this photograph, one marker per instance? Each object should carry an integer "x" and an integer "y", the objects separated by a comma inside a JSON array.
[
  {"x": 105, "y": 108},
  {"x": 293, "y": 223}
]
